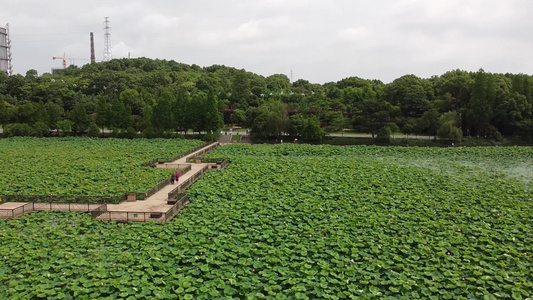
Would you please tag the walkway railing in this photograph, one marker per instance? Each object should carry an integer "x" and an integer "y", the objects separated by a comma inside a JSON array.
[
  {"x": 11, "y": 213},
  {"x": 99, "y": 211},
  {"x": 25, "y": 209},
  {"x": 180, "y": 202},
  {"x": 183, "y": 167},
  {"x": 128, "y": 216},
  {"x": 63, "y": 198},
  {"x": 79, "y": 207},
  {"x": 187, "y": 183},
  {"x": 192, "y": 158},
  {"x": 156, "y": 161}
]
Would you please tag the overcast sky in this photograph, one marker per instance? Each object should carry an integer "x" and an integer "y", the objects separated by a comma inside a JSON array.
[{"x": 319, "y": 40}]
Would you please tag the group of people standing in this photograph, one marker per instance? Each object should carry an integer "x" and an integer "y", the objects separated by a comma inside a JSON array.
[{"x": 175, "y": 177}]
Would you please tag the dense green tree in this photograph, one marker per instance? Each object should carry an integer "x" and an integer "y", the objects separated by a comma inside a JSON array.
[
  {"x": 458, "y": 85},
  {"x": 29, "y": 113},
  {"x": 198, "y": 110},
  {"x": 277, "y": 83},
  {"x": 133, "y": 99},
  {"x": 428, "y": 122},
  {"x": 119, "y": 115},
  {"x": 93, "y": 130},
  {"x": 251, "y": 114},
  {"x": 15, "y": 86},
  {"x": 336, "y": 121},
  {"x": 306, "y": 128},
  {"x": 372, "y": 115},
  {"x": 449, "y": 126},
  {"x": 238, "y": 117},
  {"x": 411, "y": 94},
  {"x": 54, "y": 114},
  {"x": 213, "y": 118},
  {"x": 488, "y": 104},
  {"x": 410, "y": 126},
  {"x": 4, "y": 80},
  {"x": 271, "y": 121},
  {"x": 103, "y": 113},
  {"x": 64, "y": 126},
  {"x": 4, "y": 113},
  {"x": 480, "y": 109},
  {"x": 384, "y": 135},
  {"x": 184, "y": 111},
  {"x": 80, "y": 118},
  {"x": 18, "y": 129},
  {"x": 162, "y": 111},
  {"x": 240, "y": 89},
  {"x": 40, "y": 129}
]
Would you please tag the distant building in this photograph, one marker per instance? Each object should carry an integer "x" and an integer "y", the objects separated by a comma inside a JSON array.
[
  {"x": 57, "y": 71},
  {"x": 5, "y": 53}
]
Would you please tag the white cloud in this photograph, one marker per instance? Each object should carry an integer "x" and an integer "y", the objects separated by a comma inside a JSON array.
[
  {"x": 320, "y": 40},
  {"x": 354, "y": 34}
]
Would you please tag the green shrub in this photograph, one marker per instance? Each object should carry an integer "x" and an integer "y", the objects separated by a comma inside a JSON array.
[
  {"x": 40, "y": 129},
  {"x": 384, "y": 135},
  {"x": 18, "y": 129}
]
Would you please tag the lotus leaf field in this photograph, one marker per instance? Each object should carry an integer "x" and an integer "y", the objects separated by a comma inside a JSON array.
[
  {"x": 301, "y": 222},
  {"x": 83, "y": 166}
]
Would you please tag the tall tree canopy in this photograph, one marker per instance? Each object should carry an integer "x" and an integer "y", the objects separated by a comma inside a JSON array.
[{"x": 146, "y": 94}]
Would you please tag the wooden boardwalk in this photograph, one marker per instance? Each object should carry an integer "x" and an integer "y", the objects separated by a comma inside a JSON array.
[{"x": 154, "y": 208}]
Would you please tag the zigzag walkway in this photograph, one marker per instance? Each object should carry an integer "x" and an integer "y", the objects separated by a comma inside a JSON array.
[{"x": 162, "y": 206}]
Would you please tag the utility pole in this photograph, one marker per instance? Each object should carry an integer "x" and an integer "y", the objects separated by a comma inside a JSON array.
[{"x": 107, "y": 40}]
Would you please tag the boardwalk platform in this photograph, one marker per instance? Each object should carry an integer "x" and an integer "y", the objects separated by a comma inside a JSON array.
[{"x": 162, "y": 206}]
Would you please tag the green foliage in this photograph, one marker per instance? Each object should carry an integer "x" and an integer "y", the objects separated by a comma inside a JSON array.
[
  {"x": 307, "y": 128},
  {"x": 162, "y": 111},
  {"x": 336, "y": 121},
  {"x": 240, "y": 91},
  {"x": 238, "y": 117},
  {"x": 64, "y": 126},
  {"x": 40, "y": 129},
  {"x": 94, "y": 130},
  {"x": 272, "y": 120},
  {"x": 448, "y": 127},
  {"x": 74, "y": 166},
  {"x": 80, "y": 118},
  {"x": 384, "y": 135},
  {"x": 411, "y": 94},
  {"x": 313, "y": 222},
  {"x": 213, "y": 119},
  {"x": 373, "y": 115},
  {"x": 18, "y": 130},
  {"x": 236, "y": 138},
  {"x": 171, "y": 96},
  {"x": 4, "y": 113},
  {"x": 428, "y": 122}
]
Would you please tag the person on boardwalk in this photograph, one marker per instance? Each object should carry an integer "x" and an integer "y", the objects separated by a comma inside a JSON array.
[{"x": 172, "y": 178}]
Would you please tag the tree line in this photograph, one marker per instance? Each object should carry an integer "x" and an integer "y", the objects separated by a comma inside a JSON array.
[{"x": 158, "y": 96}]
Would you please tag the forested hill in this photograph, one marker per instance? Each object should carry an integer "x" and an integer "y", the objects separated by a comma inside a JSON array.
[{"x": 158, "y": 95}]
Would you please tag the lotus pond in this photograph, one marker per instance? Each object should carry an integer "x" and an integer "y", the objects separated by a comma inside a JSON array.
[
  {"x": 301, "y": 222},
  {"x": 84, "y": 166}
]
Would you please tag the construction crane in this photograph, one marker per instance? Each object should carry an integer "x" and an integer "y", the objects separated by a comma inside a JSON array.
[{"x": 64, "y": 59}]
